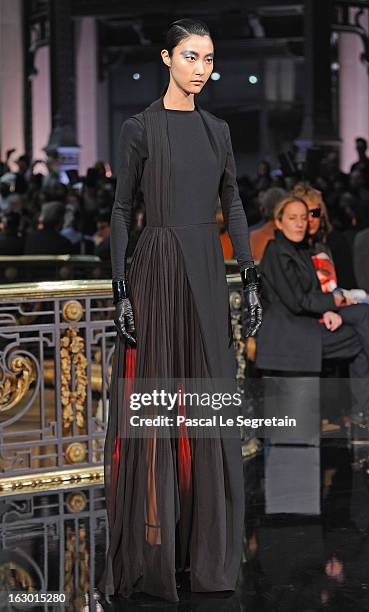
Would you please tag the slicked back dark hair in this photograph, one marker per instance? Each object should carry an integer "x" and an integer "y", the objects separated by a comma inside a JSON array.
[{"x": 181, "y": 29}]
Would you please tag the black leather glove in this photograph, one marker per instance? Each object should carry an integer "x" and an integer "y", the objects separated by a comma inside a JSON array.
[
  {"x": 251, "y": 293},
  {"x": 123, "y": 318}
]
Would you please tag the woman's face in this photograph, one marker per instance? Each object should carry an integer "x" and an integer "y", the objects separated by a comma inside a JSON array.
[
  {"x": 294, "y": 221},
  {"x": 314, "y": 216},
  {"x": 191, "y": 63}
]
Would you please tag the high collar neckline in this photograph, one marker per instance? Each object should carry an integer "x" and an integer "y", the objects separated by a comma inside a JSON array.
[
  {"x": 158, "y": 105},
  {"x": 279, "y": 235}
]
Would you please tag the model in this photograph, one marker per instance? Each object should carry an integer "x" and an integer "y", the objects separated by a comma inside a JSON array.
[{"x": 174, "y": 505}]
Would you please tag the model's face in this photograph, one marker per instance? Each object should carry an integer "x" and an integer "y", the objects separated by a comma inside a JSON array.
[
  {"x": 294, "y": 221},
  {"x": 315, "y": 212},
  {"x": 191, "y": 63}
]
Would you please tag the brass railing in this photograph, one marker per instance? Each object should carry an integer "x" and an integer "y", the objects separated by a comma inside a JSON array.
[{"x": 56, "y": 349}]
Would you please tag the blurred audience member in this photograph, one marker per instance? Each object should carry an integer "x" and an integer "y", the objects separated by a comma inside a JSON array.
[
  {"x": 16, "y": 203},
  {"x": 57, "y": 192},
  {"x": 89, "y": 196},
  {"x": 52, "y": 165},
  {"x": 330, "y": 250},
  {"x": 363, "y": 161},
  {"x": 24, "y": 173},
  {"x": 103, "y": 176},
  {"x": 360, "y": 195},
  {"x": 260, "y": 237},
  {"x": 249, "y": 196},
  {"x": 102, "y": 236},
  {"x": 330, "y": 169},
  {"x": 11, "y": 240},
  {"x": 263, "y": 179},
  {"x": 4, "y": 193},
  {"x": 348, "y": 219},
  {"x": 47, "y": 240},
  {"x": 82, "y": 243},
  {"x": 361, "y": 258}
]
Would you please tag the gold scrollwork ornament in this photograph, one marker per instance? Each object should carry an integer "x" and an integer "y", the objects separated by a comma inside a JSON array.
[
  {"x": 72, "y": 353},
  {"x": 16, "y": 383}
]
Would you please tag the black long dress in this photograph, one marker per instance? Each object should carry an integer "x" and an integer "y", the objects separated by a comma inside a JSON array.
[{"x": 174, "y": 502}]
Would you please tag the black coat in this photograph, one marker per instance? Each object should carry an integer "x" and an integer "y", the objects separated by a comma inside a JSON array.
[
  {"x": 290, "y": 337},
  {"x": 10, "y": 244},
  {"x": 47, "y": 242},
  {"x": 342, "y": 258},
  {"x": 361, "y": 259}
]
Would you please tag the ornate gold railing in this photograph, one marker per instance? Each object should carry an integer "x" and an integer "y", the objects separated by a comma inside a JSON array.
[{"x": 56, "y": 348}]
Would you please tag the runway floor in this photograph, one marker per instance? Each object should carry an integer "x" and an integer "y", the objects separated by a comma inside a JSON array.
[{"x": 306, "y": 547}]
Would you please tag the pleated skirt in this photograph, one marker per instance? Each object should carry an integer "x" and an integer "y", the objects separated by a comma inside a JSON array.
[{"x": 167, "y": 498}]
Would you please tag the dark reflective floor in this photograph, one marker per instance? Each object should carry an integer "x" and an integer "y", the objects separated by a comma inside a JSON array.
[{"x": 306, "y": 546}]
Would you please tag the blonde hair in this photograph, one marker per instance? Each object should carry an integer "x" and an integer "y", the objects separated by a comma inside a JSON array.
[
  {"x": 303, "y": 189},
  {"x": 279, "y": 208}
]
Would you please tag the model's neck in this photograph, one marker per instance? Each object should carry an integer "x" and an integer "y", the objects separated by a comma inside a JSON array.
[{"x": 177, "y": 99}]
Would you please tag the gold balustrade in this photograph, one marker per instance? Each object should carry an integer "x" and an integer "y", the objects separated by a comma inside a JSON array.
[{"x": 83, "y": 371}]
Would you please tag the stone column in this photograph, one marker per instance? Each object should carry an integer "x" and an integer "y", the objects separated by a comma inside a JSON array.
[
  {"x": 41, "y": 104},
  {"x": 63, "y": 84},
  {"x": 87, "y": 91},
  {"x": 318, "y": 129},
  {"x": 11, "y": 78}
]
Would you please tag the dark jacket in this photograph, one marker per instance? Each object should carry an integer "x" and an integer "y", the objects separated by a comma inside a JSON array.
[
  {"x": 342, "y": 258},
  {"x": 361, "y": 259},
  {"x": 47, "y": 241},
  {"x": 290, "y": 337},
  {"x": 11, "y": 244}
]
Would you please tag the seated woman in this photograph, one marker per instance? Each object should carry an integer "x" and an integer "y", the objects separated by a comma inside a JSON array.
[
  {"x": 330, "y": 251},
  {"x": 292, "y": 338}
]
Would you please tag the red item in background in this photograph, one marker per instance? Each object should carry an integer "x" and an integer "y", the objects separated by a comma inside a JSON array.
[
  {"x": 326, "y": 272},
  {"x": 129, "y": 375},
  {"x": 227, "y": 247}
]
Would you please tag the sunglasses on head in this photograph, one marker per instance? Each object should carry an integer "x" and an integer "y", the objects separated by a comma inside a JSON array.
[{"x": 315, "y": 213}]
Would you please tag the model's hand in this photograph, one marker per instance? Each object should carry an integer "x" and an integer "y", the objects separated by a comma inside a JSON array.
[
  {"x": 253, "y": 309},
  {"x": 123, "y": 318},
  {"x": 124, "y": 321},
  {"x": 332, "y": 320}
]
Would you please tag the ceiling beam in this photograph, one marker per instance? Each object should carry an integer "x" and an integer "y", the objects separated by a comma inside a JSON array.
[
  {"x": 353, "y": 3},
  {"x": 119, "y": 8}
]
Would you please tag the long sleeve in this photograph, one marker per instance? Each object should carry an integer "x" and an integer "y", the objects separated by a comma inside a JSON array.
[
  {"x": 281, "y": 273},
  {"x": 131, "y": 161},
  {"x": 299, "y": 301},
  {"x": 233, "y": 212}
]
